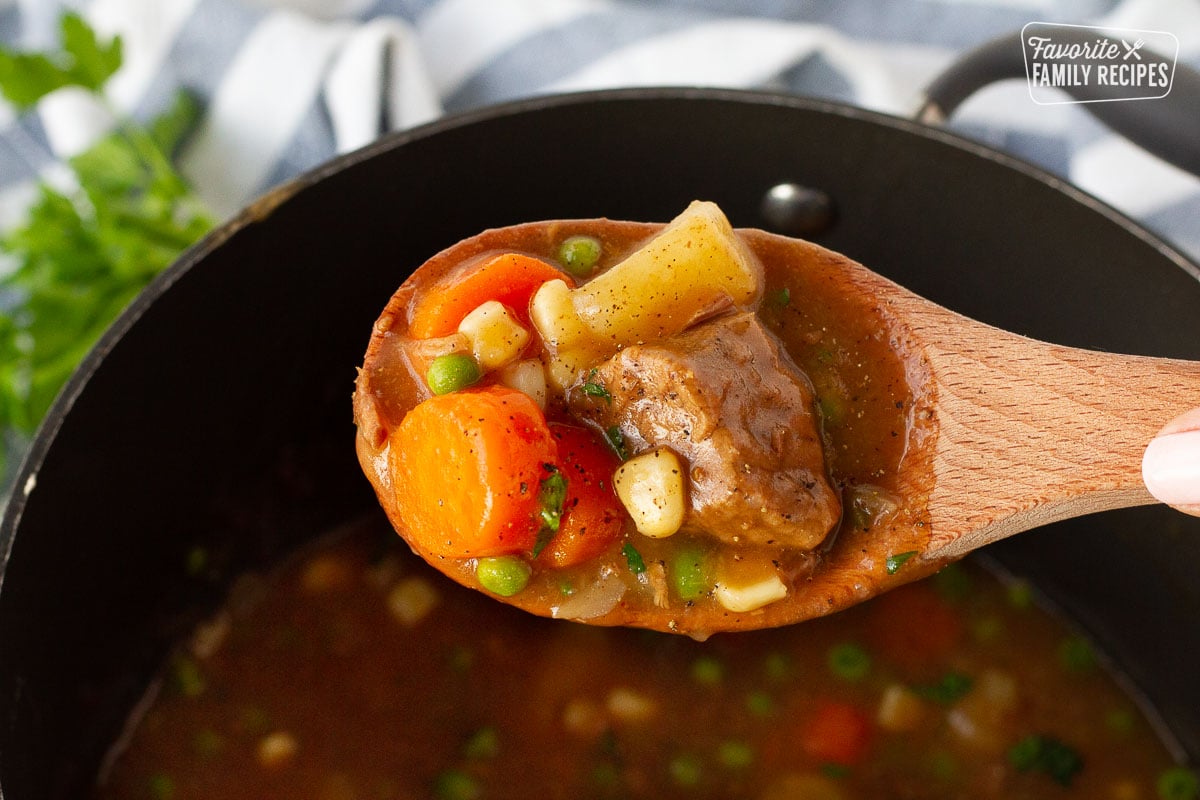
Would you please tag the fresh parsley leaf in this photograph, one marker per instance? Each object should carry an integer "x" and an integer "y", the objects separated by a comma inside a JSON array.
[
  {"x": 94, "y": 62},
  {"x": 616, "y": 440},
  {"x": 551, "y": 496},
  {"x": 81, "y": 256},
  {"x": 172, "y": 126},
  {"x": 1039, "y": 753},
  {"x": 85, "y": 61},
  {"x": 592, "y": 388},
  {"x": 633, "y": 558},
  {"x": 895, "y": 562},
  {"x": 26, "y": 78}
]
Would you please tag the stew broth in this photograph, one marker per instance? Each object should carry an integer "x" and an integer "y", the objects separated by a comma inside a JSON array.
[{"x": 356, "y": 672}]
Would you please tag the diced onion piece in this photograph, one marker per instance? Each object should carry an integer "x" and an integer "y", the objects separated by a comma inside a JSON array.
[
  {"x": 526, "y": 376},
  {"x": 900, "y": 710},
  {"x": 496, "y": 338},
  {"x": 746, "y": 586},
  {"x": 650, "y": 486},
  {"x": 696, "y": 262},
  {"x": 553, "y": 314}
]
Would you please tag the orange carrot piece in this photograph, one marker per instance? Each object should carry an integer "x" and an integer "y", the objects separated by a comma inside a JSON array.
[
  {"x": 510, "y": 278},
  {"x": 466, "y": 469},
  {"x": 593, "y": 517},
  {"x": 837, "y": 733}
]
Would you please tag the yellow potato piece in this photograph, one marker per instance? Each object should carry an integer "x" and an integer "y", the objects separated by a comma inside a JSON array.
[{"x": 696, "y": 263}]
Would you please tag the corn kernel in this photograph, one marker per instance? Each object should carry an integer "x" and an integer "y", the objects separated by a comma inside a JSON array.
[{"x": 650, "y": 486}]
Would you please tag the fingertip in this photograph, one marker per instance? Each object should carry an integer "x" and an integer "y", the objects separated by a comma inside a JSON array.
[{"x": 1171, "y": 464}]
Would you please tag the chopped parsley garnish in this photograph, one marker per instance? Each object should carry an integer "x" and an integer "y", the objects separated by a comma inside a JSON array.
[
  {"x": 895, "y": 562},
  {"x": 1039, "y": 753},
  {"x": 550, "y": 499},
  {"x": 636, "y": 564},
  {"x": 616, "y": 440},
  {"x": 951, "y": 687},
  {"x": 83, "y": 253},
  {"x": 592, "y": 388},
  {"x": 781, "y": 298}
]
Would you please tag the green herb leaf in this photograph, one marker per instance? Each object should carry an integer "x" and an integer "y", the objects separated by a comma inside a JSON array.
[
  {"x": 25, "y": 78},
  {"x": 592, "y": 388},
  {"x": 632, "y": 557},
  {"x": 170, "y": 128},
  {"x": 94, "y": 62},
  {"x": 80, "y": 257},
  {"x": 550, "y": 500},
  {"x": 616, "y": 440},
  {"x": 895, "y": 562},
  {"x": 951, "y": 687},
  {"x": 1038, "y": 753}
]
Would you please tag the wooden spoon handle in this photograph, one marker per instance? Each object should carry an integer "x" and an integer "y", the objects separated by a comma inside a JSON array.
[{"x": 1030, "y": 433}]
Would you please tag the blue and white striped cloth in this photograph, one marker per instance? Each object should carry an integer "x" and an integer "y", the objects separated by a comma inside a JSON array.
[{"x": 289, "y": 83}]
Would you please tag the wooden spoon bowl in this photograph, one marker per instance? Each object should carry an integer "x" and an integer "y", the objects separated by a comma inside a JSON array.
[{"x": 1001, "y": 433}]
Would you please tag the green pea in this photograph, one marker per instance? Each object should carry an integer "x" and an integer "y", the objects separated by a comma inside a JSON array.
[
  {"x": 483, "y": 744},
  {"x": 735, "y": 754},
  {"x": 760, "y": 704},
  {"x": 778, "y": 667},
  {"x": 1076, "y": 655},
  {"x": 503, "y": 575},
  {"x": 707, "y": 671},
  {"x": 161, "y": 787},
  {"x": 580, "y": 254},
  {"x": 686, "y": 769},
  {"x": 689, "y": 574},
  {"x": 452, "y": 372},
  {"x": 455, "y": 784},
  {"x": 849, "y": 662},
  {"x": 1178, "y": 783}
]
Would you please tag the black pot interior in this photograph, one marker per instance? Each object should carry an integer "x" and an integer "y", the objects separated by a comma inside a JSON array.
[{"x": 220, "y": 421}]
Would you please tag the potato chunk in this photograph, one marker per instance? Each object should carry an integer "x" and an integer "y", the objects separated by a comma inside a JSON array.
[{"x": 696, "y": 263}]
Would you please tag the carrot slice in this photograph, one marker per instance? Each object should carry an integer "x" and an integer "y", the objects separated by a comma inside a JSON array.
[
  {"x": 593, "y": 518},
  {"x": 466, "y": 468},
  {"x": 510, "y": 278},
  {"x": 837, "y": 733}
]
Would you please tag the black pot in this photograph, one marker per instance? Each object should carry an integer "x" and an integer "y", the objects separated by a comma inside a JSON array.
[{"x": 216, "y": 413}]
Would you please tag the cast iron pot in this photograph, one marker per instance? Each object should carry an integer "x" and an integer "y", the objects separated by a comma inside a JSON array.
[{"x": 215, "y": 416}]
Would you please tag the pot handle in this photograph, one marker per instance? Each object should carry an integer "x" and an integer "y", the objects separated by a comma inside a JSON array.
[{"x": 1168, "y": 127}]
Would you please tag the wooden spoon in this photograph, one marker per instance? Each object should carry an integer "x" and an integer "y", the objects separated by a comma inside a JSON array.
[
  {"x": 1029, "y": 433},
  {"x": 1004, "y": 433}
]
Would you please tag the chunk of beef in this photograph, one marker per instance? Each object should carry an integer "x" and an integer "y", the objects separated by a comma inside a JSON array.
[{"x": 726, "y": 397}]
